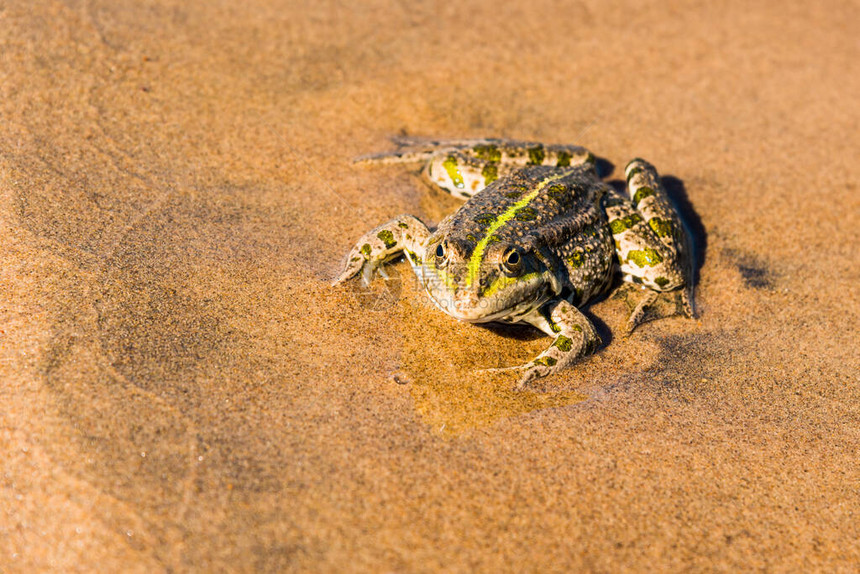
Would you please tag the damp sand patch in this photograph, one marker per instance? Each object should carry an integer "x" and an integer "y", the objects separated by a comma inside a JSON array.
[{"x": 443, "y": 361}]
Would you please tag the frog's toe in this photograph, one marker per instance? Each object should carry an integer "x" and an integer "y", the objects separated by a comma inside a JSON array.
[
  {"x": 352, "y": 265},
  {"x": 640, "y": 312},
  {"x": 502, "y": 369},
  {"x": 343, "y": 276},
  {"x": 365, "y": 269},
  {"x": 528, "y": 375},
  {"x": 655, "y": 305},
  {"x": 532, "y": 373},
  {"x": 687, "y": 305},
  {"x": 382, "y": 272},
  {"x": 367, "y": 274}
]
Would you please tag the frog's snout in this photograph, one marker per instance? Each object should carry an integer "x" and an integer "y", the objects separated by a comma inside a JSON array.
[{"x": 466, "y": 299}]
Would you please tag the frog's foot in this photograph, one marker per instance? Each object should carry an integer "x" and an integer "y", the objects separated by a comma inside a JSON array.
[
  {"x": 403, "y": 234},
  {"x": 637, "y": 316},
  {"x": 494, "y": 370},
  {"x": 647, "y": 305},
  {"x": 574, "y": 338}
]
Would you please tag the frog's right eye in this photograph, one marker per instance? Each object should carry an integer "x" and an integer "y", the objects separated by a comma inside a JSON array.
[{"x": 512, "y": 262}]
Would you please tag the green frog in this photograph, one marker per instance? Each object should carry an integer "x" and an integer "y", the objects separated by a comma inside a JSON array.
[{"x": 539, "y": 236}]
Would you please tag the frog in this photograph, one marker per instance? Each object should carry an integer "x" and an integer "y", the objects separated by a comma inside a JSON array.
[{"x": 538, "y": 238}]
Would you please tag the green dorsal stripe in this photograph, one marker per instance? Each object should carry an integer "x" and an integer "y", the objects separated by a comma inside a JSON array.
[{"x": 478, "y": 253}]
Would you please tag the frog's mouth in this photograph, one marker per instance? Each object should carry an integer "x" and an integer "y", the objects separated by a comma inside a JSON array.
[{"x": 468, "y": 304}]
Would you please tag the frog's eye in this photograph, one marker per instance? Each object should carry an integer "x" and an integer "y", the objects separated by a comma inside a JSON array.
[
  {"x": 512, "y": 262},
  {"x": 441, "y": 254}
]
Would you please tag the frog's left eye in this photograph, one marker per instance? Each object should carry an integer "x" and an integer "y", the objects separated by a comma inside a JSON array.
[
  {"x": 441, "y": 253},
  {"x": 512, "y": 261}
]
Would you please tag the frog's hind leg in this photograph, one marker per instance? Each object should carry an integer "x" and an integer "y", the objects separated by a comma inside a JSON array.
[
  {"x": 451, "y": 166},
  {"x": 651, "y": 244},
  {"x": 469, "y": 166},
  {"x": 418, "y": 150},
  {"x": 465, "y": 167},
  {"x": 461, "y": 174}
]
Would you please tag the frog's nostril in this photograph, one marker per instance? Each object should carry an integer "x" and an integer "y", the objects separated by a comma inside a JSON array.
[{"x": 464, "y": 299}]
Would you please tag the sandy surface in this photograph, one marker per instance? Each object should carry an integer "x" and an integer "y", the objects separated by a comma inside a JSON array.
[{"x": 181, "y": 390}]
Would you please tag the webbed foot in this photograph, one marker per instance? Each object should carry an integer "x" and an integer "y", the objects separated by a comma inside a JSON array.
[
  {"x": 574, "y": 338},
  {"x": 646, "y": 305},
  {"x": 403, "y": 234}
]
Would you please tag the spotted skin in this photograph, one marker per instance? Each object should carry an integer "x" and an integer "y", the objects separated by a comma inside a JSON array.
[
  {"x": 539, "y": 236},
  {"x": 404, "y": 235},
  {"x": 463, "y": 168},
  {"x": 574, "y": 337},
  {"x": 651, "y": 245}
]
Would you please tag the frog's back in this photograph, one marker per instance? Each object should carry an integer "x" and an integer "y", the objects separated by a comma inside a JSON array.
[
  {"x": 552, "y": 211},
  {"x": 537, "y": 202}
]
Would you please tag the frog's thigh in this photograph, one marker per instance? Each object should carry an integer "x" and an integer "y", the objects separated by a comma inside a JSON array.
[
  {"x": 650, "y": 199},
  {"x": 643, "y": 256},
  {"x": 512, "y": 154},
  {"x": 460, "y": 174},
  {"x": 574, "y": 338}
]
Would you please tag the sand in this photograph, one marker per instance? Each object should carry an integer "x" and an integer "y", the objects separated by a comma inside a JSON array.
[{"x": 182, "y": 390}]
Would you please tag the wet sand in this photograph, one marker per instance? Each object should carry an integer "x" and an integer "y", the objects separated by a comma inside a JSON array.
[{"x": 182, "y": 390}]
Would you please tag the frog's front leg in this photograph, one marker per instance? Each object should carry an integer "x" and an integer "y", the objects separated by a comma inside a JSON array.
[
  {"x": 650, "y": 241},
  {"x": 573, "y": 335},
  {"x": 403, "y": 234}
]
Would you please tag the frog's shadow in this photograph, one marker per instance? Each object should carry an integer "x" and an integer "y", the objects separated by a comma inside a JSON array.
[
  {"x": 696, "y": 230},
  {"x": 520, "y": 332},
  {"x": 517, "y": 332}
]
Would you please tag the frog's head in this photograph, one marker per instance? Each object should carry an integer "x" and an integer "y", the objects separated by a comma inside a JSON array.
[{"x": 486, "y": 280}]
